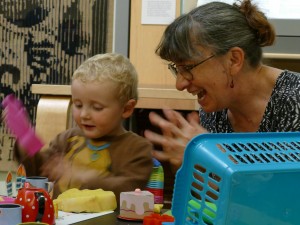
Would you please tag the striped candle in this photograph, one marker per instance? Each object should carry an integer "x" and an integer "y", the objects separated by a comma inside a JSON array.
[{"x": 9, "y": 184}]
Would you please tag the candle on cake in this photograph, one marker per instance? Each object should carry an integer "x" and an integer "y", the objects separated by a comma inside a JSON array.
[
  {"x": 19, "y": 177},
  {"x": 9, "y": 184}
]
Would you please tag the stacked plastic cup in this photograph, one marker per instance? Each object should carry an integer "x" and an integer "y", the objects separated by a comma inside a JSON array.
[{"x": 155, "y": 184}]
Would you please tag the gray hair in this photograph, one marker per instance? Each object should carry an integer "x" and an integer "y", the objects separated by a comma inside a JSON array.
[{"x": 219, "y": 27}]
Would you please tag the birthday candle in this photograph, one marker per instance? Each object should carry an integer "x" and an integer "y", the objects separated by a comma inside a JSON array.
[
  {"x": 19, "y": 177},
  {"x": 9, "y": 184},
  {"x": 23, "y": 175}
]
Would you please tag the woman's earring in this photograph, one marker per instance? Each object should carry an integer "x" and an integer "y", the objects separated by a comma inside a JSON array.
[{"x": 231, "y": 84}]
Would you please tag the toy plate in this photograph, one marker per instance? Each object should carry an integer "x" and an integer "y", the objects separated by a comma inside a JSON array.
[{"x": 128, "y": 219}]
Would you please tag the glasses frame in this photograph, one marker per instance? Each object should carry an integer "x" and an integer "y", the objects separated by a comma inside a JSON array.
[{"x": 185, "y": 69}]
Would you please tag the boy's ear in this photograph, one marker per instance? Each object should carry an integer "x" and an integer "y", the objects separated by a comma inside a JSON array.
[{"x": 129, "y": 108}]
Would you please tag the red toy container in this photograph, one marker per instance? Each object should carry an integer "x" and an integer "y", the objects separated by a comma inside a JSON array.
[{"x": 37, "y": 205}]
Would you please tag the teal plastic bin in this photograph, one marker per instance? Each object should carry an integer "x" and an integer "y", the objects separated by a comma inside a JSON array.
[{"x": 239, "y": 179}]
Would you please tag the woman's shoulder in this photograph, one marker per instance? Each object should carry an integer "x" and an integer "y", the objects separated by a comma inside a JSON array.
[
  {"x": 289, "y": 78},
  {"x": 287, "y": 89}
]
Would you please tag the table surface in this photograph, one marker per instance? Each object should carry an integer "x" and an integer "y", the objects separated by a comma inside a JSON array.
[{"x": 108, "y": 219}]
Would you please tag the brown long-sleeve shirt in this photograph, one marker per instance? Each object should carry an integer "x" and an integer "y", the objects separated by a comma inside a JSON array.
[{"x": 129, "y": 168}]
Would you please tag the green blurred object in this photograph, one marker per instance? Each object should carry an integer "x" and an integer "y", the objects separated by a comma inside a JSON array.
[
  {"x": 209, "y": 211},
  {"x": 169, "y": 213}
]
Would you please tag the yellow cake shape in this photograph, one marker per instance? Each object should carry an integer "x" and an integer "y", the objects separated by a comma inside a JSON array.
[
  {"x": 92, "y": 201},
  {"x": 136, "y": 204}
]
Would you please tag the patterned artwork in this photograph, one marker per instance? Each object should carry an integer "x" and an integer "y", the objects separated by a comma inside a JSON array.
[{"x": 44, "y": 41}]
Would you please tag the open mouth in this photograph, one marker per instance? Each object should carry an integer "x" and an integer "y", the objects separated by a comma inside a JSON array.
[
  {"x": 201, "y": 94},
  {"x": 87, "y": 127}
]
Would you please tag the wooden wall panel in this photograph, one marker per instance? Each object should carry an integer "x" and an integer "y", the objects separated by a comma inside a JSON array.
[{"x": 143, "y": 40}]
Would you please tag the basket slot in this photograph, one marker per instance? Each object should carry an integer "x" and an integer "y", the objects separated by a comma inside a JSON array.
[
  {"x": 260, "y": 153},
  {"x": 287, "y": 157},
  {"x": 201, "y": 179},
  {"x": 214, "y": 189},
  {"x": 273, "y": 146},
  {"x": 296, "y": 145},
  {"x": 196, "y": 191},
  {"x": 279, "y": 157},
  {"x": 215, "y": 177},
  {"x": 295, "y": 157},
  {"x": 204, "y": 191},
  {"x": 211, "y": 197}
]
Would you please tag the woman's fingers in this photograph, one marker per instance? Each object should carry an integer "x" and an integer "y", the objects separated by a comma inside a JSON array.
[
  {"x": 175, "y": 160},
  {"x": 185, "y": 129},
  {"x": 193, "y": 118},
  {"x": 159, "y": 121},
  {"x": 153, "y": 137},
  {"x": 172, "y": 126},
  {"x": 175, "y": 118},
  {"x": 160, "y": 155},
  {"x": 177, "y": 131},
  {"x": 172, "y": 156}
]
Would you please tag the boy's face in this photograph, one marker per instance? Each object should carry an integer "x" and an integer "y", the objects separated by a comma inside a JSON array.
[{"x": 96, "y": 109}]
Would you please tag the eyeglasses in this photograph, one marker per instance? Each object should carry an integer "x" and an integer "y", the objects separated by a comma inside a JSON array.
[{"x": 185, "y": 70}]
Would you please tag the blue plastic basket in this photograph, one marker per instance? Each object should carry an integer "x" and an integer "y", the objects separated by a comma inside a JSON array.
[{"x": 239, "y": 179}]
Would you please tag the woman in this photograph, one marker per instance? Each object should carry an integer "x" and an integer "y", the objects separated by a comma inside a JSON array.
[{"x": 216, "y": 53}]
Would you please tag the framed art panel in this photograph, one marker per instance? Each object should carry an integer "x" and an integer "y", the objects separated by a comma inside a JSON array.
[{"x": 44, "y": 41}]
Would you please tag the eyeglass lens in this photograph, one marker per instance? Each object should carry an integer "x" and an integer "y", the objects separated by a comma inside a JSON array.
[{"x": 185, "y": 70}]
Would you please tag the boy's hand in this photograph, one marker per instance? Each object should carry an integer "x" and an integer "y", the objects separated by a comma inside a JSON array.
[{"x": 16, "y": 120}]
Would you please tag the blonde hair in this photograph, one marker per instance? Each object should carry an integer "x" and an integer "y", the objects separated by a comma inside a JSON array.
[{"x": 113, "y": 67}]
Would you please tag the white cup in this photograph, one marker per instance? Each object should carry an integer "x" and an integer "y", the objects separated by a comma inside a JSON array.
[
  {"x": 40, "y": 182},
  {"x": 10, "y": 214}
]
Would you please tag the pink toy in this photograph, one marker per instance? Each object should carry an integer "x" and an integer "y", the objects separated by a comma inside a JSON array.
[
  {"x": 6, "y": 200},
  {"x": 16, "y": 120}
]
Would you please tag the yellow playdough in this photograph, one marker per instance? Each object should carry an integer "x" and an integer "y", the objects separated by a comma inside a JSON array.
[{"x": 74, "y": 200}]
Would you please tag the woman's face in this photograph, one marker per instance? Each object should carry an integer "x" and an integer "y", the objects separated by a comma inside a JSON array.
[{"x": 211, "y": 82}]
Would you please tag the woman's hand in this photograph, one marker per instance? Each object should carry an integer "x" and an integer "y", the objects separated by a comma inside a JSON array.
[{"x": 176, "y": 133}]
